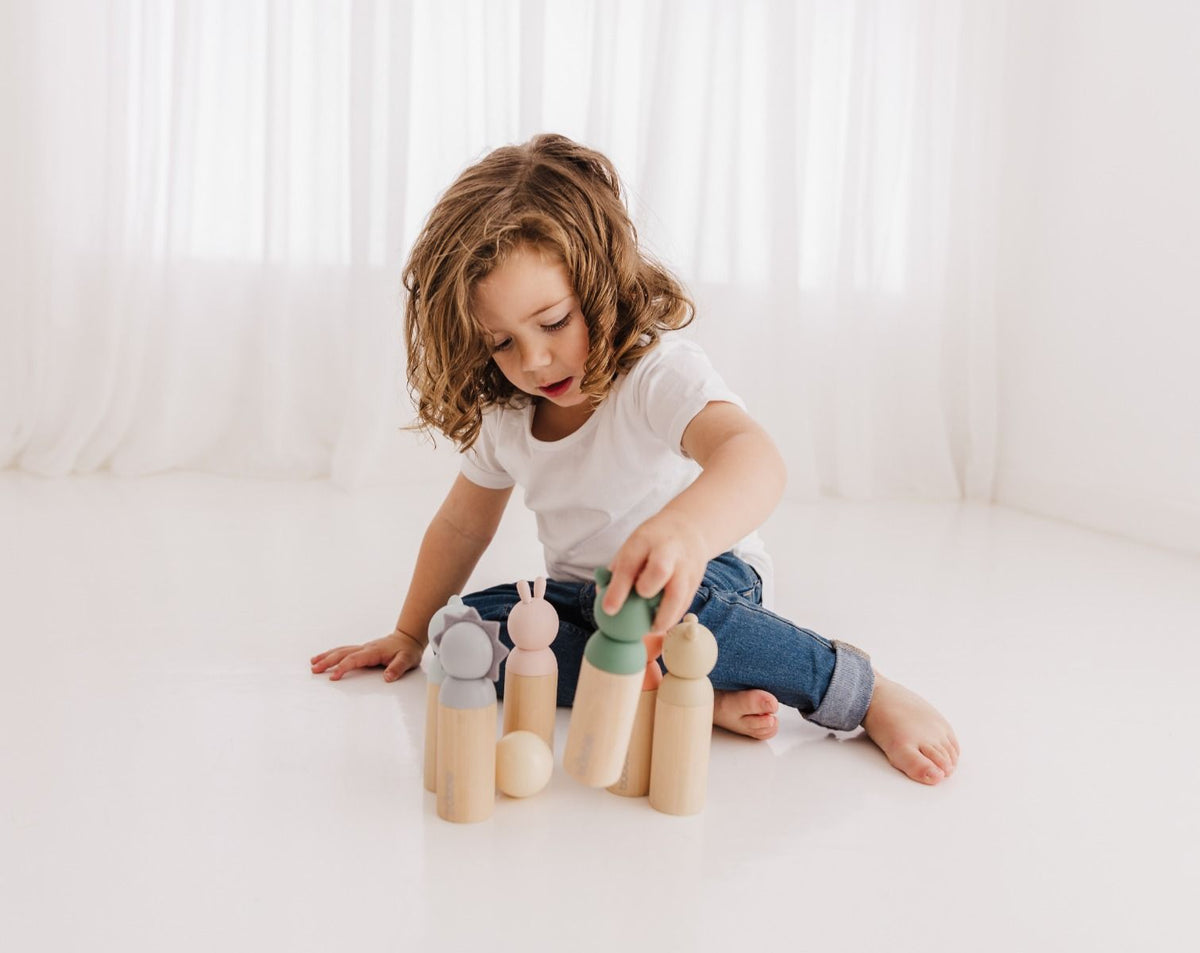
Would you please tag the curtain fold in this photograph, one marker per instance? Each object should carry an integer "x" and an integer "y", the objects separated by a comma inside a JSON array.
[{"x": 208, "y": 205}]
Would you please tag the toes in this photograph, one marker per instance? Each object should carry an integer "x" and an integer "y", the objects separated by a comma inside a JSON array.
[
  {"x": 940, "y": 756},
  {"x": 754, "y": 701},
  {"x": 767, "y": 725},
  {"x": 749, "y": 701},
  {"x": 761, "y": 726},
  {"x": 763, "y": 703},
  {"x": 918, "y": 766},
  {"x": 750, "y": 712}
]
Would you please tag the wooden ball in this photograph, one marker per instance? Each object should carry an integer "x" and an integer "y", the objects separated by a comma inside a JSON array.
[{"x": 524, "y": 764}]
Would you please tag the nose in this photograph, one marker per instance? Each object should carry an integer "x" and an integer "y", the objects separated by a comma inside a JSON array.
[{"x": 535, "y": 356}]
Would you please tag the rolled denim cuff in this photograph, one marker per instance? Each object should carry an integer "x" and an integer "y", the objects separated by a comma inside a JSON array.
[{"x": 845, "y": 703}]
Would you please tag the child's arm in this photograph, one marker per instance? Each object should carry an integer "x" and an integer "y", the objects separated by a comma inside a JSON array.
[
  {"x": 743, "y": 478},
  {"x": 456, "y": 538}
]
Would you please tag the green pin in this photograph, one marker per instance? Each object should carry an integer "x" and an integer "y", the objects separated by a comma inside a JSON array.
[{"x": 616, "y": 646}]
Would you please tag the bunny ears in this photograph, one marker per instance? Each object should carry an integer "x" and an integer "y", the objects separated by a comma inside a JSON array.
[{"x": 539, "y": 589}]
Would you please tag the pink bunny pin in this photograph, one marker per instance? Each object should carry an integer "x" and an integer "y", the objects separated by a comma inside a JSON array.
[{"x": 531, "y": 673}]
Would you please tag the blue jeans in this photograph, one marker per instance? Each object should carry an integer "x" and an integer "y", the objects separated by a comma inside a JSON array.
[{"x": 829, "y": 683}]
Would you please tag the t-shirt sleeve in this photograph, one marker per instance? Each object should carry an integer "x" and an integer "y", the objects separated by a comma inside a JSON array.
[
  {"x": 676, "y": 384},
  {"x": 480, "y": 464}
]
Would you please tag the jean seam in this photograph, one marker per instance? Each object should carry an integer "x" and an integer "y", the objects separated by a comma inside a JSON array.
[{"x": 729, "y": 599}]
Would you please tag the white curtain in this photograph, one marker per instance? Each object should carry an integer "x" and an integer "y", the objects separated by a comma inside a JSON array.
[{"x": 207, "y": 204}]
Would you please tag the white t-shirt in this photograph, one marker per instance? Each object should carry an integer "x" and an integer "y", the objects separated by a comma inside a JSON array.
[{"x": 594, "y": 487}]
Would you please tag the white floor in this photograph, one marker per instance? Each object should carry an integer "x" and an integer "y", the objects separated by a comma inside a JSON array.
[{"x": 173, "y": 777}]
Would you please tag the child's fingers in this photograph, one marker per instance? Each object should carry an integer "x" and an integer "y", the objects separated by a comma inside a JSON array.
[
  {"x": 617, "y": 592},
  {"x": 363, "y": 658},
  {"x": 677, "y": 598},
  {"x": 399, "y": 665},
  {"x": 624, "y": 571},
  {"x": 332, "y": 657},
  {"x": 348, "y": 664},
  {"x": 654, "y": 577},
  {"x": 654, "y": 644}
]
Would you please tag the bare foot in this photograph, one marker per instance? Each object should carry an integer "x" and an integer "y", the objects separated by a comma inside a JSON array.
[
  {"x": 751, "y": 713},
  {"x": 915, "y": 737}
]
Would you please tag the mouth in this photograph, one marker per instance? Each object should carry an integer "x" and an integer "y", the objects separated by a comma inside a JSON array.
[{"x": 558, "y": 388}]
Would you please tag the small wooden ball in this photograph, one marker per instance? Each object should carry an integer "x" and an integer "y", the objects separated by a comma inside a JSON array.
[{"x": 524, "y": 763}]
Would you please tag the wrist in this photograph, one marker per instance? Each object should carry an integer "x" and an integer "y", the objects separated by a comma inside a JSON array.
[{"x": 407, "y": 636}]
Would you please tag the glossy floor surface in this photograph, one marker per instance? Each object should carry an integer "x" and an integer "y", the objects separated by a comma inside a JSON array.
[{"x": 173, "y": 777}]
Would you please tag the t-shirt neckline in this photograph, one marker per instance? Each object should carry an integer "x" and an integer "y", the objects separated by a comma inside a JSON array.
[{"x": 575, "y": 435}]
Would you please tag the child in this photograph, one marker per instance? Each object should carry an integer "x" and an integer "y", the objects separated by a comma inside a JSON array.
[{"x": 536, "y": 342}]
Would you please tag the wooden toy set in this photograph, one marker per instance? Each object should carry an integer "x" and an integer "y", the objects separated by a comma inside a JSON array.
[{"x": 632, "y": 729}]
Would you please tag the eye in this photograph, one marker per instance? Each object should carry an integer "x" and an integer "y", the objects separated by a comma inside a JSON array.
[
  {"x": 558, "y": 325},
  {"x": 502, "y": 346}
]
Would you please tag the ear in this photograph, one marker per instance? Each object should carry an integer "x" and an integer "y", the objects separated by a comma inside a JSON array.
[
  {"x": 539, "y": 587},
  {"x": 523, "y": 590}
]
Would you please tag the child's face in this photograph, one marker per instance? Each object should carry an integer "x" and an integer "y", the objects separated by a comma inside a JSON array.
[{"x": 531, "y": 317}]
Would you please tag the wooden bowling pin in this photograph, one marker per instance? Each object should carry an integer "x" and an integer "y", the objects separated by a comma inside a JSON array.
[
  {"x": 683, "y": 720},
  {"x": 531, "y": 672},
  {"x": 635, "y": 775},
  {"x": 434, "y": 674},
  {"x": 470, "y": 652},
  {"x": 610, "y": 683}
]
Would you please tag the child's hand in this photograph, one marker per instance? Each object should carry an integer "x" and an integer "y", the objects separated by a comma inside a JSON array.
[
  {"x": 665, "y": 553},
  {"x": 398, "y": 651}
]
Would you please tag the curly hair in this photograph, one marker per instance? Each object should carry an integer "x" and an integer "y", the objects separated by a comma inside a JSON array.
[{"x": 557, "y": 195}]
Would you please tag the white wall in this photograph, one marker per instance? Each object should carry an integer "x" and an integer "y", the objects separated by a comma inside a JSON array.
[{"x": 1099, "y": 305}]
